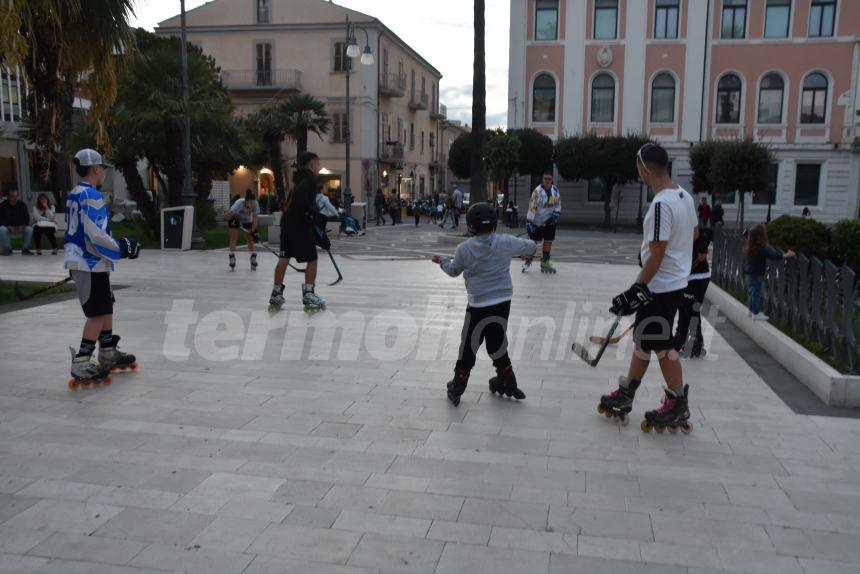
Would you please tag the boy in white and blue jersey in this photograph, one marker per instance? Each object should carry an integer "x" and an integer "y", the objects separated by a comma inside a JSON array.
[{"x": 90, "y": 253}]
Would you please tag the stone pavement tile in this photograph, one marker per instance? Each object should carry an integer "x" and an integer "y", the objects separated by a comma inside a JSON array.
[
  {"x": 228, "y": 534},
  {"x": 838, "y": 522},
  {"x": 201, "y": 503},
  {"x": 19, "y": 540},
  {"x": 612, "y": 548},
  {"x": 181, "y": 481},
  {"x": 758, "y": 562},
  {"x": 359, "y": 461},
  {"x": 680, "y": 554},
  {"x": 24, "y": 466},
  {"x": 64, "y": 516},
  {"x": 336, "y": 430},
  {"x": 470, "y": 487},
  {"x": 353, "y": 497},
  {"x": 468, "y": 559},
  {"x": 421, "y": 505},
  {"x": 539, "y": 541},
  {"x": 705, "y": 532},
  {"x": 813, "y": 566},
  {"x": 155, "y": 526},
  {"x": 15, "y": 564},
  {"x": 396, "y": 482},
  {"x": 191, "y": 560},
  {"x": 677, "y": 488},
  {"x": 12, "y": 484},
  {"x": 61, "y": 490},
  {"x": 504, "y": 513},
  {"x": 568, "y": 564},
  {"x": 606, "y": 523},
  {"x": 810, "y": 520},
  {"x": 382, "y": 524},
  {"x": 78, "y": 567},
  {"x": 89, "y": 548},
  {"x": 595, "y": 501},
  {"x": 612, "y": 484},
  {"x": 822, "y": 501},
  {"x": 302, "y": 543},
  {"x": 138, "y": 497},
  {"x": 301, "y": 492},
  {"x": 278, "y": 565},
  {"x": 539, "y": 495},
  {"x": 765, "y": 497},
  {"x": 397, "y": 554},
  {"x": 110, "y": 473},
  {"x": 255, "y": 506},
  {"x": 238, "y": 483},
  {"x": 12, "y": 505},
  {"x": 172, "y": 461},
  {"x": 312, "y": 517},
  {"x": 460, "y": 532},
  {"x": 815, "y": 544}
]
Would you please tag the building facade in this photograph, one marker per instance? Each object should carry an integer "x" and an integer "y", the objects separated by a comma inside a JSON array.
[
  {"x": 784, "y": 72},
  {"x": 269, "y": 49}
]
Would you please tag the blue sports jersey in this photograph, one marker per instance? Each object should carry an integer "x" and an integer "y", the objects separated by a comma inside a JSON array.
[{"x": 88, "y": 242}]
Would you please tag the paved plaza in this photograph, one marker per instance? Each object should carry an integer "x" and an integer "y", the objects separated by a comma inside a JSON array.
[{"x": 255, "y": 443}]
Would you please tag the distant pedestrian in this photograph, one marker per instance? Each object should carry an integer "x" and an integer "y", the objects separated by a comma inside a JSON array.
[
  {"x": 416, "y": 212},
  {"x": 758, "y": 251},
  {"x": 807, "y": 213},
  {"x": 44, "y": 224},
  {"x": 717, "y": 215},
  {"x": 379, "y": 206},
  {"x": 456, "y": 207},
  {"x": 704, "y": 213}
]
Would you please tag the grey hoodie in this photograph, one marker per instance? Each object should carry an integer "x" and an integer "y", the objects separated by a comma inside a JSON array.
[{"x": 485, "y": 262}]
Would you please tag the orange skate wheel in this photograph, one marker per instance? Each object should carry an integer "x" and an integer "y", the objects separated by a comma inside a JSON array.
[{"x": 73, "y": 385}]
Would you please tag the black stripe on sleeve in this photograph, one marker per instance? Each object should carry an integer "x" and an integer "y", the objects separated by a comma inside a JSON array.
[{"x": 657, "y": 221}]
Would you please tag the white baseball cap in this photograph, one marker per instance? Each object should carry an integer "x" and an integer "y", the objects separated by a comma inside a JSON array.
[{"x": 87, "y": 157}]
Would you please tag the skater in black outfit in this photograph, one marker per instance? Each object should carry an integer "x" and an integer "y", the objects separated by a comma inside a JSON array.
[
  {"x": 379, "y": 206},
  {"x": 669, "y": 230},
  {"x": 297, "y": 234},
  {"x": 485, "y": 262},
  {"x": 688, "y": 338}
]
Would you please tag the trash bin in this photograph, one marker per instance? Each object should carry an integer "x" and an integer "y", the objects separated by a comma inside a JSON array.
[{"x": 176, "y": 224}]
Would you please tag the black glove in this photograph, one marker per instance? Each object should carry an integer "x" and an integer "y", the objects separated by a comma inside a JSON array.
[
  {"x": 255, "y": 237},
  {"x": 128, "y": 248},
  {"x": 631, "y": 300},
  {"x": 321, "y": 238}
]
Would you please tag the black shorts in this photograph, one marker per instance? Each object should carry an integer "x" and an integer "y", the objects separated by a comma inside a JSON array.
[
  {"x": 543, "y": 233},
  {"x": 298, "y": 244},
  {"x": 654, "y": 323},
  {"x": 94, "y": 292}
]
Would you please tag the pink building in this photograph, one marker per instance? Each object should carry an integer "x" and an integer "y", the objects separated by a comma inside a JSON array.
[{"x": 786, "y": 72}]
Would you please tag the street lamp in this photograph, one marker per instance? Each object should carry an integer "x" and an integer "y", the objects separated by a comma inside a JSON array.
[
  {"x": 352, "y": 51},
  {"x": 188, "y": 195}
]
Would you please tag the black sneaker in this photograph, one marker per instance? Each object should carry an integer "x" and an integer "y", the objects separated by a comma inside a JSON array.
[{"x": 26, "y": 252}]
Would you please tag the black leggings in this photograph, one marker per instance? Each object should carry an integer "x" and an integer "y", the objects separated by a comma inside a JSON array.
[
  {"x": 689, "y": 312},
  {"x": 49, "y": 232},
  {"x": 485, "y": 324}
]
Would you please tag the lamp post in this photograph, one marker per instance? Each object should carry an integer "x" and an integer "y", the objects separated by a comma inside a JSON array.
[
  {"x": 188, "y": 195},
  {"x": 770, "y": 188},
  {"x": 352, "y": 51},
  {"x": 639, "y": 214}
]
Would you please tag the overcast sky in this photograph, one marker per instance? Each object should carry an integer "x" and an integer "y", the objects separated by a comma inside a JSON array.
[{"x": 440, "y": 30}]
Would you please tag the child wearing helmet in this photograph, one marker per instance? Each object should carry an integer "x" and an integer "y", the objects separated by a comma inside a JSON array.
[{"x": 485, "y": 262}]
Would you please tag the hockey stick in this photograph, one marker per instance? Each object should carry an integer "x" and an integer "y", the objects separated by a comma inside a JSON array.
[
  {"x": 272, "y": 251},
  {"x": 583, "y": 352},
  {"x": 613, "y": 341},
  {"x": 339, "y": 276},
  {"x": 23, "y": 297}
]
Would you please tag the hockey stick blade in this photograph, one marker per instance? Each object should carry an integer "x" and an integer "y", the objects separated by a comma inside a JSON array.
[
  {"x": 336, "y": 268},
  {"x": 583, "y": 353},
  {"x": 273, "y": 252},
  {"x": 594, "y": 339}
]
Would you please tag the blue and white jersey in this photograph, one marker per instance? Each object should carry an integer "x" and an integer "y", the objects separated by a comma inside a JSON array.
[{"x": 88, "y": 242}]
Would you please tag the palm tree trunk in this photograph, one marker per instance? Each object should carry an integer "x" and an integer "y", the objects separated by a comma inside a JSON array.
[
  {"x": 277, "y": 169},
  {"x": 302, "y": 143},
  {"x": 478, "y": 172},
  {"x": 137, "y": 191}
]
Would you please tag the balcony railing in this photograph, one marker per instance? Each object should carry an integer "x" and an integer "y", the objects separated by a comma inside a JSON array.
[
  {"x": 439, "y": 113},
  {"x": 391, "y": 151},
  {"x": 253, "y": 80},
  {"x": 392, "y": 85},
  {"x": 419, "y": 101}
]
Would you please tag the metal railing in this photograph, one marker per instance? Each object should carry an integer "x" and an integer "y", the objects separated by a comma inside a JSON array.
[
  {"x": 419, "y": 101},
  {"x": 392, "y": 84},
  {"x": 262, "y": 79},
  {"x": 810, "y": 298}
]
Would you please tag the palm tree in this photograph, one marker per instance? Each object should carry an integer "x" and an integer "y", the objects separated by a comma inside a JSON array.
[
  {"x": 61, "y": 46},
  {"x": 304, "y": 114},
  {"x": 267, "y": 125},
  {"x": 478, "y": 180}
]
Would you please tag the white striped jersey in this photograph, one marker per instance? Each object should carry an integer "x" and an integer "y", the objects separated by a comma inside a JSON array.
[
  {"x": 671, "y": 218},
  {"x": 88, "y": 242}
]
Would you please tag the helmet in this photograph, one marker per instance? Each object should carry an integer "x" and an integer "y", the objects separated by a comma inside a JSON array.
[{"x": 481, "y": 218}]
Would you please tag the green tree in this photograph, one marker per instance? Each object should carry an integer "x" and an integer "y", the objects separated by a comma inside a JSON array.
[
  {"x": 62, "y": 47},
  {"x": 303, "y": 114},
  {"x": 460, "y": 156},
  {"x": 478, "y": 170},
  {"x": 266, "y": 125},
  {"x": 742, "y": 166},
  {"x": 148, "y": 120},
  {"x": 503, "y": 157},
  {"x": 701, "y": 155},
  {"x": 610, "y": 158},
  {"x": 536, "y": 151}
]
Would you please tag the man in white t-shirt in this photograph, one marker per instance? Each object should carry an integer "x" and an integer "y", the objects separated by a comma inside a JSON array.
[{"x": 669, "y": 229}]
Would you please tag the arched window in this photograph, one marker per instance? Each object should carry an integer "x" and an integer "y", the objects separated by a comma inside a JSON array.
[
  {"x": 770, "y": 96},
  {"x": 543, "y": 99},
  {"x": 813, "y": 101},
  {"x": 663, "y": 99},
  {"x": 729, "y": 100},
  {"x": 603, "y": 99}
]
